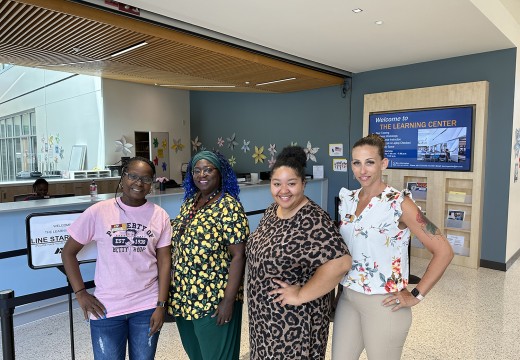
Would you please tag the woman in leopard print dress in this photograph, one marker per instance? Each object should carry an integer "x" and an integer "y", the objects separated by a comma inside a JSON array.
[{"x": 295, "y": 258}]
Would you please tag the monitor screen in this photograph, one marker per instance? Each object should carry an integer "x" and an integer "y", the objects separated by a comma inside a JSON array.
[{"x": 427, "y": 139}]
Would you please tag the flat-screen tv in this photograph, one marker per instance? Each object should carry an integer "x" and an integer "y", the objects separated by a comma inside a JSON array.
[{"x": 427, "y": 139}]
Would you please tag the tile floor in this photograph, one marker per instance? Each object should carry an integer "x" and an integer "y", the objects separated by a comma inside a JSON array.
[{"x": 470, "y": 314}]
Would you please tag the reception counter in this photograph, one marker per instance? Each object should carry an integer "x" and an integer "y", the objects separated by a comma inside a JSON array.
[
  {"x": 16, "y": 273},
  {"x": 9, "y": 189}
]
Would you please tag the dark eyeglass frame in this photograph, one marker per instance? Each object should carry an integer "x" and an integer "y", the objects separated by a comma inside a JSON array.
[
  {"x": 208, "y": 170},
  {"x": 135, "y": 178}
]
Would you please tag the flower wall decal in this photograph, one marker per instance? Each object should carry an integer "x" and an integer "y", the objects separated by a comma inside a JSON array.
[
  {"x": 156, "y": 161},
  {"x": 164, "y": 144},
  {"x": 195, "y": 143},
  {"x": 271, "y": 161},
  {"x": 123, "y": 146},
  {"x": 232, "y": 161},
  {"x": 272, "y": 149},
  {"x": 177, "y": 145},
  {"x": 155, "y": 142},
  {"x": 232, "y": 142},
  {"x": 259, "y": 154},
  {"x": 245, "y": 147},
  {"x": 220, "y": 142},
  {"x": 61, "y": 151},
  {"x": 311, "y": 151},
  {"x": 164, "y": 166}
]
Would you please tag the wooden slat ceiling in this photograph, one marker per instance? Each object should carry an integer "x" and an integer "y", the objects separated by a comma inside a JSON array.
[{"x": 66, "y": 36}]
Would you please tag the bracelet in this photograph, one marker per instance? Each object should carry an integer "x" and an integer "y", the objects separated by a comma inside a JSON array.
[{"x": 76, "y": 292}]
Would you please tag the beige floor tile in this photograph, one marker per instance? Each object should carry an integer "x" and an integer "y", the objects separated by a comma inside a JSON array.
[{"x": 470, "y": 314}]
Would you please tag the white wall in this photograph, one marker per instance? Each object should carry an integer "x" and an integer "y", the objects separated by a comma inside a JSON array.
[
  {"x": 506, "y": 22},
  {"x": 68, "y": 111},
  {"x": 130, "y": 107}
]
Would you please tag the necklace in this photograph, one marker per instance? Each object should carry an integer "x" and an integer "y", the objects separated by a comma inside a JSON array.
[
  {"x": 193, "y": 209},
  {"x": 184, "y": 223}
]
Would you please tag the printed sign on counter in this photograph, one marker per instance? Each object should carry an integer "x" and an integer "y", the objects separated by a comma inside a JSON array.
[{"x": 46, "y": 235}]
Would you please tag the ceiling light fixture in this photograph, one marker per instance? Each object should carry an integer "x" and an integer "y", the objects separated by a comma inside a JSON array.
[
  {"x": 276, "y": 81},
  {"x": 72, "y": 63},
  {"x": 199, "y": 86},
  {"x": 379, "y": 22},
  {"x": 133, "y": 47},
  {"x": 357, "y": 10}
]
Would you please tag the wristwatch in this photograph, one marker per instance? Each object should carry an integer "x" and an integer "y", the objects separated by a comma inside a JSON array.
[
  {"x": 417, "y": 294},
  {"x": 161, "y": 303}
]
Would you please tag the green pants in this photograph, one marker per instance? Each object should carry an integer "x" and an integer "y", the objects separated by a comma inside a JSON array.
[{"x": 203, "y": 339}]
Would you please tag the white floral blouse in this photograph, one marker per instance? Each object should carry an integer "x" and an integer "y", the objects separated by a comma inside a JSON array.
[{"x": 379, "y": 249}]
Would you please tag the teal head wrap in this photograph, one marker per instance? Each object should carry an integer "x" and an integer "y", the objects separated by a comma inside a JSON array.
[{"x": 206, "y": 155}]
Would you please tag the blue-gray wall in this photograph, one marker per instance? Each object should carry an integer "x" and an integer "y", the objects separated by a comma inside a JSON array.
[
  {"x": 498, "y": 68},
  {"x": 323, "y": 116},
  {"x": 319, "y": 116}
]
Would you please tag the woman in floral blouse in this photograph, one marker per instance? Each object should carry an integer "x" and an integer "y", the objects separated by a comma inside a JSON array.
[{"x": 373, "y": 311}]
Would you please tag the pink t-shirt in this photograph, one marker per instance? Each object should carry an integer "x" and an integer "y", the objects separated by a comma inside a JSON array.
[{"x": 127, "y": 237}]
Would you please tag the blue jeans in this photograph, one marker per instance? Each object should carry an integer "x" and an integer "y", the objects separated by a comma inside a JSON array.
[{"x": 109, "y": 337}]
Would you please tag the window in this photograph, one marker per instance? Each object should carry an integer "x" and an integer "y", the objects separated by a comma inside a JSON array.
[
  {"x": 18, "y": 144},
  {"x": 4, "y": 67}
]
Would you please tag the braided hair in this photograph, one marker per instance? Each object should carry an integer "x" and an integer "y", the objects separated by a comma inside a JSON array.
[{"x": 228, "y": 179}]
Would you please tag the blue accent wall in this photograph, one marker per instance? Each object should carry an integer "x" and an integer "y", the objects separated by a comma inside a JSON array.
[
  {"x": 323, "y": 116},
  {"x": 498, "y": 68},
  {"x": 319, "y": 116}
]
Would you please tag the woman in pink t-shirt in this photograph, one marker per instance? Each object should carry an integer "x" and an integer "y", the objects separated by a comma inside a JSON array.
[{"x": 132, "y": 276}]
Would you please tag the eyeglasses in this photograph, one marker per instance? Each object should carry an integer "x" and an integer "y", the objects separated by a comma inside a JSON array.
[
  {"x": 204, "y": 171},
  {"x": 144, "y": 179}
]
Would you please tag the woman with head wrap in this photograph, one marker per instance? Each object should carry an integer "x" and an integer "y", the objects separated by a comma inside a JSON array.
[{"x": 208, "y": 238}]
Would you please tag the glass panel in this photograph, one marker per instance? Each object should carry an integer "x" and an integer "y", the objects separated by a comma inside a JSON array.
[
  {"x": 33, "y": 124},
  {"x": 17, "y": 125},
  {"x": 2, "y": 128},
  {"x": 9, "y": 125},
  {"x": 3, "y": 160},
  {"x": 10, "y": 158},
  {"x": 26, "y": 124},
  {"x": 17, "y": 154},
  {"x": 34, "y": 153}
]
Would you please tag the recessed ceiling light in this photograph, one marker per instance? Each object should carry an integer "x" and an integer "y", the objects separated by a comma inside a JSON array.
[
  {"x": 357, "y": 10},
  {"x": 275, "y": 81},
  {"x": 199, "y": 86},
  {"x": 247, "y": 83},
  {"x": 379, "y": 22}
]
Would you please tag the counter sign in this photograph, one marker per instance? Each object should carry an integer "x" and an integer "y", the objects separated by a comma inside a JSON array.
[{"x": 46, "y": 235}]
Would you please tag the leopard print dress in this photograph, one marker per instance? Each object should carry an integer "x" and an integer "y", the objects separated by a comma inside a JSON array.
[{"x": 290, "y": 250}]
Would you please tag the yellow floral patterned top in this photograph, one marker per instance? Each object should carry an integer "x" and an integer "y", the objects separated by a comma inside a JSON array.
[{"x": 200, "y": 257}]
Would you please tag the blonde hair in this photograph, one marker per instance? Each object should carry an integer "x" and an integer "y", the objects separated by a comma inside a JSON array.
[{"x": 373, "y": 140}]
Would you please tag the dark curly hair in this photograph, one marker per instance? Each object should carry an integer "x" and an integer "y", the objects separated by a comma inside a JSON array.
[
  {"x": 38, "y": 182},
  {"x": 228, "y": 179},
  {"x": 293, "y": 157}
]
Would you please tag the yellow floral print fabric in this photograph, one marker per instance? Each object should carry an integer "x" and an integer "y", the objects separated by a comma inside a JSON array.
[{"x": 200, "y": 256}]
